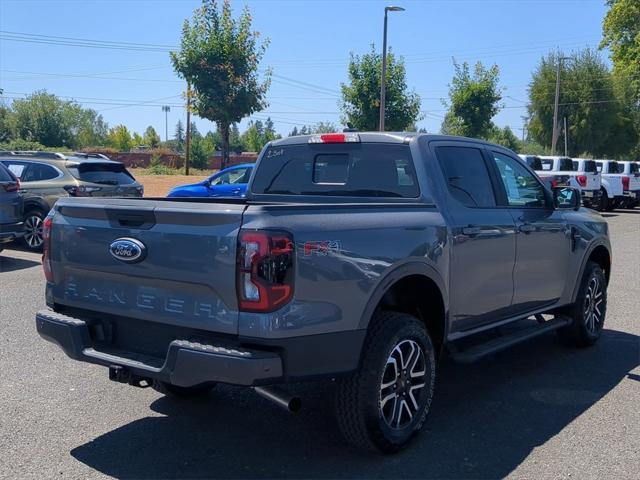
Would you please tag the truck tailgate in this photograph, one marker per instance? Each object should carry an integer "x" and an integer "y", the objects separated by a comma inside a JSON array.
[{"x": 185, "y": 275}]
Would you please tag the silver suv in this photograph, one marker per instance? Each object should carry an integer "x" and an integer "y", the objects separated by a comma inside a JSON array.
[{"x": 46, "y": 176}]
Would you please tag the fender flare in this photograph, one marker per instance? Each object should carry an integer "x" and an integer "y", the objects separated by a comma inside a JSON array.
[
  {"x": 400, "y": 271},
  {"x": 35, "y": 204},
  {"x": 583, "y": 265}
]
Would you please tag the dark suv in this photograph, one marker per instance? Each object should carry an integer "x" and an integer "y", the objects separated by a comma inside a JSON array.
[
  {"x": 10, "y": 207},
  {"x": 47, "y": 176}
]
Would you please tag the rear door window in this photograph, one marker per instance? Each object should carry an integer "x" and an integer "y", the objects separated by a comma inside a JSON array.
[
  {"x": 103, "y": 173},
  {"x": 17, "y": 168},
  {"x": 39, "y": 172},
  {"x": 341, "y": 169},
  {"x": 466, "y": 175}
]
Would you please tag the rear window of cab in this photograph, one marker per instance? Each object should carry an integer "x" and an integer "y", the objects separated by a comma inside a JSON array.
[{"x": 343, "y": 170}]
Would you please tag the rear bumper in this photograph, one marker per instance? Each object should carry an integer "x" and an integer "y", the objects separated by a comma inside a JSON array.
[
  {"x": 185, "y": 365},
  {"x": 245, "y": 361},
  {"x": 591, "y": 197},
  {"x": 11, "y": 231}
]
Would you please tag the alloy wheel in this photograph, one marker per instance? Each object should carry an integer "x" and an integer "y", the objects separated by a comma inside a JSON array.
[
  {"x": 593, "y": 305},
  {"x": 33, "y": 229},
  {"x": 403, "y": 380}
]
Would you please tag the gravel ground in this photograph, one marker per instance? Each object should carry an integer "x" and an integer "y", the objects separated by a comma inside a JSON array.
[{"x": 537, "y": 411}]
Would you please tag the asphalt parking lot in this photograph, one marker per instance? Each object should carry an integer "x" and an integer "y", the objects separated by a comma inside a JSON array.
[{"x": 538, "y": 411}]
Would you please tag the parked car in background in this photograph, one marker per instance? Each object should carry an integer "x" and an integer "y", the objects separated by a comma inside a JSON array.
[
  {"x": 11, "y": 226},
  {"x": 630, "y": 172},
  {"x": 230, "y": 182},
  {"x": 581, "y": 175},
  {"x": 549, "y": 178},
  {"x": 612, "y": 186},
  {"x": 46, "y": 176}
]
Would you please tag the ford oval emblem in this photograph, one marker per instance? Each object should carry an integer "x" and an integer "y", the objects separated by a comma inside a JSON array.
[{"x": 128, "y": 250}]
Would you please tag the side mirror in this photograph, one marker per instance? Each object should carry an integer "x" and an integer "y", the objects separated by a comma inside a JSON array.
[
  {"x": 566, "y": 198},
  {"x": 207, "y": 183}
]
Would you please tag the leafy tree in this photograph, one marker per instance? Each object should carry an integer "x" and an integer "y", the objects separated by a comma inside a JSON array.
[
  {"x": 621, "y": 34},
  {"x": 219, "y": 57},
  {"x": 5, "y": 127},
  {"x": 294, "y": 132},
  {"x": 473, "y": 101},
  {"x": 597, "y": 123},
  {"x": 151, "y": 137},
  {"x": 323, "y": 127},
  {"x": 179, "y": 136},
  {"x": 252, "y": 138},
  {"x": 137, "y": 140},
  {"x": 236, "y": 143},
  {"x": 505, "y": 137},
  {"x": 361, "y": 97},
  {"x": 42, "y": 117},
  {"x": 120, "y": 138}
]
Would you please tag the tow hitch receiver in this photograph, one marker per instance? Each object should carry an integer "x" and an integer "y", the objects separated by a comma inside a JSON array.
[{"x": 121, "y": 374}]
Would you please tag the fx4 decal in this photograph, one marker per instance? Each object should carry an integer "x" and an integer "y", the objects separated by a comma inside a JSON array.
[{"x": 321, "y": 248}]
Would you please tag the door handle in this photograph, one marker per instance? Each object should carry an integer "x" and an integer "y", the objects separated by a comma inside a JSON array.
[
  {"x": 471, "y": 231},
  {"x": 526, "y": 228}
]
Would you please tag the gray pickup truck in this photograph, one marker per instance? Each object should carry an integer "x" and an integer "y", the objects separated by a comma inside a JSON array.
[{"x": 357, "y": 256}]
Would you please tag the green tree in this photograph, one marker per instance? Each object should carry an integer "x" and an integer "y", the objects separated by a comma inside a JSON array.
[
  {"x": 5, "y": 124},
  {"x": 473, "y": 101},
  {"x": 137, "y": 140},
  {"x": 323, "y": 127},
  {"x": 236, "y": 143},
  {"x": 597, "y": 122},
  {"x": 294, "y": 132},
  {"x": 621, "y": 34},
  {"x": 219, "y": 56},
  {"x": 252, "y": 138},
  {"x": 361, "y": 96},
  {"x": 179, "y": 136},
  {"x": 151, "y": 137},
  {"x": 505, "y": 137},
  {"x": 120, "y": 138},
  {"x": 42, "y": 117}
]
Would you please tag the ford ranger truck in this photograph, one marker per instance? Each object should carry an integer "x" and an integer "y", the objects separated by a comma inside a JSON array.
[{"x": 363, "y": 257}]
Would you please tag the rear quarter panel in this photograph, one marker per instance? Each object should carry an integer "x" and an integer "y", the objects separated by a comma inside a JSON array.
[{"x": 360, "y": 246}]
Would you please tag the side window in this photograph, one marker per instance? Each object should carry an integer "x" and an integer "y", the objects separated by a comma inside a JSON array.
[
  {"x": 221, "y": 180},
  {"x": 17, "y": 168},
  {"x": 522, "y": 187},
  {"x": 467, "y": 176},
  {"x": 38, "y": 172}
]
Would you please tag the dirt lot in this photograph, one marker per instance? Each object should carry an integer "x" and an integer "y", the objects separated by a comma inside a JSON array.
[{"x": 159, "y": 185}]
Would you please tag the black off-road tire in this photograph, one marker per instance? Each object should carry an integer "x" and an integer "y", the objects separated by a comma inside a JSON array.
[
  {"x": 359, "y": 402},
  {"x": 604, "y": 201},
  {"x": 589, "y": 310},
  {"x": 182, "y": 393}
]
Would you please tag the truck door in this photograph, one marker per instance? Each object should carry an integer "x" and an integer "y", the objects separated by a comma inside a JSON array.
[
  {"x": 543, "y": 242},
  {"x": 483, "y": 237}
]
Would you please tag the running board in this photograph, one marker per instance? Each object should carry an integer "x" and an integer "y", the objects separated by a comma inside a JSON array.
[{"x": 505, "y": 341}]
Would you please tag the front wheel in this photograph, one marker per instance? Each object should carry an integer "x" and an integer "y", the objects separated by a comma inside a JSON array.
[
  {"x": 589, "y": 310},
  {"x": 384, "y": 404}
]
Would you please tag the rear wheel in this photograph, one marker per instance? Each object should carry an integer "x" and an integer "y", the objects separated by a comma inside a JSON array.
[
  {"x": 182, "y": 393},
  {"x": 33, "y": 238},
  {"x": 589, "y": 310},
  {"x": 384, "y": 404}
]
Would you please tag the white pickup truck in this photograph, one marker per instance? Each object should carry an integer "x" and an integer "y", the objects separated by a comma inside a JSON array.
[
  {"x": 630, "y": 172},
  {"x": 582, "y": 174},
  {"x": 612, "y": 183}
]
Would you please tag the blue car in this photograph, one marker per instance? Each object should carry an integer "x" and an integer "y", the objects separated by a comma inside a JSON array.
[{"x": 230, "y": 182}]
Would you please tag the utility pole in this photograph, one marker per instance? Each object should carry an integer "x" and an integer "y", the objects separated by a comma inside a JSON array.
[
  {"x": 166, "y": 109},
  {"x": 566, "y": 135},
  {"x": 188, "y": 140},
  {"x": 554, "y": 135},
  {"x": 383, "y": 78}
]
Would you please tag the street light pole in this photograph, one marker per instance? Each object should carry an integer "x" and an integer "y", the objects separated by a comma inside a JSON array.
[
  {"x": 383, "y": 78},
  {"x": 166, "y": 110}
]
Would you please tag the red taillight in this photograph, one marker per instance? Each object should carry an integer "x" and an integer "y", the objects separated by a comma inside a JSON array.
[
  {"x": 335, "y": 138},
  {"x": 264, "y": 270},
  {"x": 12, "y": 187},
  {"x": 80, "y": 191},
  {"x": 46, "y": 248},
  {"x": 625, "y": 183},
  {"x": 582, "y": 180}
]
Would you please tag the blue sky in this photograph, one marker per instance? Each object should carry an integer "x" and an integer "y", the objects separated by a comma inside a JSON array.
[{"x": 310, "y": 42}]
